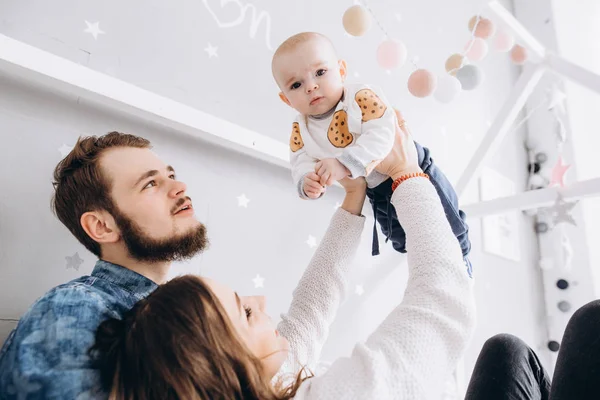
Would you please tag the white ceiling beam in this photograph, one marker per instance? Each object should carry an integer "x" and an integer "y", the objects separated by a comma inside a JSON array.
[
  {"x": 44, "y": 68},
  {"x": 574, "y": 72},
  {"x": 533, "y": 199}
]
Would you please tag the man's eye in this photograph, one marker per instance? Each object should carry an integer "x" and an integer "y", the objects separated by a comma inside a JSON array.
[{"x": 150, "y": 184}]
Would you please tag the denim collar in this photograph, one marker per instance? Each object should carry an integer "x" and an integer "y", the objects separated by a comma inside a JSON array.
[{"x": 134, "y": 283}]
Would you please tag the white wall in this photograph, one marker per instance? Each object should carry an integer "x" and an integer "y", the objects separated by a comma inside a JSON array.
[
  {"x": 577, "y": 28},
  {"x": 164, "y": 52},
  {"x": 555, "y": 28}
]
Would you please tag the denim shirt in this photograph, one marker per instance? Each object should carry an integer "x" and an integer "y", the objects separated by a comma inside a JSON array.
[{"x": 45, "y": 356}]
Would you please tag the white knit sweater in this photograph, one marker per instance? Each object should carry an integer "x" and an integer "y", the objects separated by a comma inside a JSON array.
[{"x": 414, "y": 351}]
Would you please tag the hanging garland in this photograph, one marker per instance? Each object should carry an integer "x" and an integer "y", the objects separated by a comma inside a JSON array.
[{"x": 462, "y": 73}]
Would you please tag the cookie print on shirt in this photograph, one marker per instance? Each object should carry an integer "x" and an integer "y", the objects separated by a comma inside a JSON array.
[
  {"x": 296, "y": 142},
  {"x": 370, "y": 104},
  {"x": 338, "y": 133}
]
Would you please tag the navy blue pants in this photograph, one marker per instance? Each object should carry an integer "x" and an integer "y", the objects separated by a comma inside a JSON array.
[{"x": 385, "y": 213}]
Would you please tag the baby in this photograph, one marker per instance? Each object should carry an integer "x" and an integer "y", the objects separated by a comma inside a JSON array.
[{"x": 345, "y": 130}]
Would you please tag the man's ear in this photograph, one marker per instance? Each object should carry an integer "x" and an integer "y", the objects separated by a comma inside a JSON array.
[
  {"x": 343, "y": 69},
  {"x": 100, "y": 226},
  {"x": 284, "y": 99}
]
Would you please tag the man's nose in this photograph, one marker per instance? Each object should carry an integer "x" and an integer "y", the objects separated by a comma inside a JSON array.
[{"x": 177, "y": 189}]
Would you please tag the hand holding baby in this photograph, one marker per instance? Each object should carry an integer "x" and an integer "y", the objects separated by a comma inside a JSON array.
[{"x": 330, "y": 170}]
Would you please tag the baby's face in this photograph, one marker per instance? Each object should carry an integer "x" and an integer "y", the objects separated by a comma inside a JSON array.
[{"x": 311, "y": 77}]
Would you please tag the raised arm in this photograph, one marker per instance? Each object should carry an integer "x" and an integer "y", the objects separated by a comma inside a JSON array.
[
  {"x": 417, "y": 347},
  {"x": 323, "y": 285}
]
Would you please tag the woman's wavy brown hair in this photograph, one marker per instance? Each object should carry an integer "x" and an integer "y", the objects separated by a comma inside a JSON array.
[{"x": 179, "y": 343}]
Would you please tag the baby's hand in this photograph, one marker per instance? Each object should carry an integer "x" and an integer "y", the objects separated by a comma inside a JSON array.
[
  {"x": 312, "y": 188},
  {"x": 330, "y": 170}
]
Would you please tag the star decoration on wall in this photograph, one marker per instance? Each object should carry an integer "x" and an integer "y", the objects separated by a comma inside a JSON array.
[
  {"x": 211, "y": 51},
  {"x": 359, "y": 290},
  {"x": 561, "y": 211},
  {"x": 243, "y": 200},
  {"x": 558, "y": 173},
  {"x": 94, "y": 29},
  {"x": 259, "y": 281},
  {"x": 65, "y": 150},
  {"x": 311, "y": 241},
  {"x": 74, "y": 261}
]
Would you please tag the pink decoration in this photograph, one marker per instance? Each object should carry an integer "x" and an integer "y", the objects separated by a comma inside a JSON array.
[
  {"x": 478, "y": 49},
  {"x": 391, "y": 54},
  {"x": 422, "y": 83},
  {"x": 485, "y": 27},
  {"x": 519, "y": 55},
  {"x": 504, "y": 41},
  {"x": 558, "y": 173}
]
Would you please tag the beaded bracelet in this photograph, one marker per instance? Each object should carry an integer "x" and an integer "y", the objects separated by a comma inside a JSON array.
[{"x": 398, "y": 181}]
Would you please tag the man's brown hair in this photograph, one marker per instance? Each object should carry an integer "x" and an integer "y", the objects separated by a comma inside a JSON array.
[{"x": 81, "y": 186}]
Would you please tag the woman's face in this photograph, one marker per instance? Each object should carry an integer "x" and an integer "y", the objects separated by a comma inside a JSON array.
[{"x": 254, "y": 326}]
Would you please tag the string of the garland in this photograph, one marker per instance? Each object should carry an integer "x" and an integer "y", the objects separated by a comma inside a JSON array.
[{"x": 365, "y": 3}]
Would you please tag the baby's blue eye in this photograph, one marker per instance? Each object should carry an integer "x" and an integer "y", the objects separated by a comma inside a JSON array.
[
  {"x": 321, "y": 72},
  {"x": 295, "y": 85}
]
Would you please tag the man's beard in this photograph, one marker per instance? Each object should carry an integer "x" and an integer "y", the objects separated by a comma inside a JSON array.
[{"x": 144, "y": 248}]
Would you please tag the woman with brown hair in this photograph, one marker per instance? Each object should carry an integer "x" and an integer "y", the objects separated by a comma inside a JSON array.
[{"x": 193, "y": 338}]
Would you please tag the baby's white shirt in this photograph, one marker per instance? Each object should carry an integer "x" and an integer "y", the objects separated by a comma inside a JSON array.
[{"x": 359, "y": 132}]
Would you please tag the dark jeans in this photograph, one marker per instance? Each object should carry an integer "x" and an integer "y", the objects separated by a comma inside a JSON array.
[
  {"x": 508, "y": 369},
  {"x": 385, "y": 213}
]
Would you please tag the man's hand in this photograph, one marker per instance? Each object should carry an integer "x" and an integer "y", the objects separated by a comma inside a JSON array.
[
  {"x": 312, "y": 187},
  {"x": 330, "y": 170}
]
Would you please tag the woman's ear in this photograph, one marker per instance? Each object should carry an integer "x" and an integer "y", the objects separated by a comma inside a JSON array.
[
  {"x": 284, "y": 99},
  {"x": 343, "y": 69}
]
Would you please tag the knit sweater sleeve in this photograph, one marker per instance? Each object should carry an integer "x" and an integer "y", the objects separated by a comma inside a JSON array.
[
  {"x": 413, "y": 352},
  {"x": 320, "y": 292}
]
